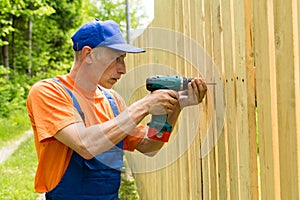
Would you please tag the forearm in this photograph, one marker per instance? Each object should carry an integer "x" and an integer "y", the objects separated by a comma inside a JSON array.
[
  {"x": 108, "y": 134},
  {"x": 93, "y": 140}
]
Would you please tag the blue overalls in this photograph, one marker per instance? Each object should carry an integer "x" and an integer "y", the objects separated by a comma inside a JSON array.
[{"x": 91, "y": 179}]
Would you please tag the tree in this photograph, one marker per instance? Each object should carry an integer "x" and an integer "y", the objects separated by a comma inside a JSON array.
[
  {"x": 32, "y": 36},
  {"x": 114, "y": 10},
  {"x": 30, "y": 28},
  {"x": 35, "y": 39},
  {"x": 35, "y": 34},
  {"x": 6, "y": 10},
  {"x": 13, "y": 12},
  {"x": 52, "y": 35}
]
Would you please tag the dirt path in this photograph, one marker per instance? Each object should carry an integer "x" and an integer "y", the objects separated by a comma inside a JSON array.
[
  {"x": 10, "y": 147},
  {"x": 41, "y": 197}
]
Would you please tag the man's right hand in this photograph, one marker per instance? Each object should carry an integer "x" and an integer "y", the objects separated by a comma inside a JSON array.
[{"x": 162, "y": 101}]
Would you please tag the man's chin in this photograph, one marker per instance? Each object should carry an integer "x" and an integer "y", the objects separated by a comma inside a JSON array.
[{"x": 107, "y": 85}]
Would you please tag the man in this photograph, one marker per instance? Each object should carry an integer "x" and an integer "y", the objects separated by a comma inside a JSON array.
[{"x": 81, "y": 128}]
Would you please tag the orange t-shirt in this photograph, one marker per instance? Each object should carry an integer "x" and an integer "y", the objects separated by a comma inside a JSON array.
[{"x": 50, "y": 108}]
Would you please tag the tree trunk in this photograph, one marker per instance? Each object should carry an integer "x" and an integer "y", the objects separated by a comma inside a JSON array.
[
  {"x": 29, "y": 47},
  {"x": 5, "y": 56},
  {"x": 13, "y": 65}
]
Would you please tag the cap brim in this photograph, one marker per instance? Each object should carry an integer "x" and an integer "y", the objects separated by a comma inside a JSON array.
[{"x": 126, "y": 48}]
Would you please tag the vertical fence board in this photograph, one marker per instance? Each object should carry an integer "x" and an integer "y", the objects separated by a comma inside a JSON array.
[
  {"x": 251, "y": 93},
  {"x": 189, "y": 20},
  {"x": 217, "y": 56},
  {"x": 296, "y": 26},
  {"x": 242, "y": 100},
  {"x": 204, "y": 161},
  {"x": 200, "y": 39},
  {"x": 285, "y": 70},
  {"x": 296, "y": 44},
  {"x": 230, "y": 95},
  {"x": 196, "y": 176},
  {"x": 224, "y": 29},
  {"x": 180, "y": 66},
  {"x": 167, "y": 184},
  {"x": 185, "y": 158},
  {"x": 178, "y": 24},
  {"x": 209, "y": 71},
  {"x": 266, "y": 99}
]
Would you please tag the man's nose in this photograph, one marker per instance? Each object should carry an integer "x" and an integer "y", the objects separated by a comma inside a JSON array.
[{"x": 122, "y": 68}]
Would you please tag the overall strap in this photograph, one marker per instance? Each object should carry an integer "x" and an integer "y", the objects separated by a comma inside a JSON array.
[
  {"x": 97, "y": 178},
  {"x": 113, "y": 106},
  {"x": 111, "y": 100},
  {"x": 75, "y": 102}
]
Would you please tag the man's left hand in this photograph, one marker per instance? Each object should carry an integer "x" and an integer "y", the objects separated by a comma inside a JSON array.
[{"x": 194, "y": 94}]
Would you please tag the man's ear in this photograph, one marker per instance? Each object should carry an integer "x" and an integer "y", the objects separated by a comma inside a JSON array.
[{"x": 86, "y": 54}]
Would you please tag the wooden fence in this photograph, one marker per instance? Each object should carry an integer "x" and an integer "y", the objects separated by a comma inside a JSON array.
[{"x": 254, "y": 45}]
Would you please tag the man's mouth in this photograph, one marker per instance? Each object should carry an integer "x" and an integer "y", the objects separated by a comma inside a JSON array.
[{"x": 115, "y": 79}]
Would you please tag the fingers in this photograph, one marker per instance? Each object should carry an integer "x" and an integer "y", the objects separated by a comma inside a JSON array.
[
  {"x": 163, "y": 101},
  {"x": 199, "y": 87},
  {"x": 168, "y": 100},
  {"x": 170, "y": 95}
]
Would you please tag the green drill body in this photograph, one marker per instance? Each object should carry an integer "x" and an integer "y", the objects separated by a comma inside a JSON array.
[{"x": 158, "y": 123}]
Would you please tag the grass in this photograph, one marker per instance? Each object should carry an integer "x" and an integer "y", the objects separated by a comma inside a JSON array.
[
  {"x": 17, "y": 176},
  {"x": 13, "y": 127},
  {"x": 128, "y": 189},
  {"x": 17, "y": 173}
]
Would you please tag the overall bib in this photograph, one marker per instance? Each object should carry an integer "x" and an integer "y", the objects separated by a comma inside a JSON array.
[{"x": 98, "y": 178}]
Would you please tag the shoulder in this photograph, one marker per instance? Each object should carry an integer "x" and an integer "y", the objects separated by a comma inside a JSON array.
[
  {"x": 46, "y": 87},
  {"x": 47, "y": 90}
]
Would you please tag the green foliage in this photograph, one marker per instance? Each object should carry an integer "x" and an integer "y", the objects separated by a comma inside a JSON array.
[
  {"x": 17, "y": 174},
  {"x": 13, "y": 116},
  {"x": 3, "y": 74},
  {"x": 12, "y": 94},
  {"x": 51, "y": 54},
  {"x": 13, "y": 126},
  {"x": 11, "y": 98},
  {"x": 67, "y": 14},
  {"x": 128, "y": 190},
  {"x": 52, "y": 23},
  {"x": 6, "y": 9},
  {"x": 114, "y": 10},
  {"x": 19, "y": 9}
]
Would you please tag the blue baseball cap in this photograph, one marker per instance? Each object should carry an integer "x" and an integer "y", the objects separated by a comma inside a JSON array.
[{"x": 102, "y": 34}]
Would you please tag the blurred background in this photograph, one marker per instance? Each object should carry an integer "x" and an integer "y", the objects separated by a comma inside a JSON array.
[{"x": 35, "y": 43}]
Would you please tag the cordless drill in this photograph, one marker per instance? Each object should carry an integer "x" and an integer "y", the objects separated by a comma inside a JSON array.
[{"x": 159, "y": 128}]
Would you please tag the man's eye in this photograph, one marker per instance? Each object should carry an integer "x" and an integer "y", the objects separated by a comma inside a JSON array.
[{"x": 120, "y": 59}]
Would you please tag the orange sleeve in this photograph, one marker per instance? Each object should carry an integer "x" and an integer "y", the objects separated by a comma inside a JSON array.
[
  {"x": 51, "y": 108},
  {"x": 133, "y": 139}
]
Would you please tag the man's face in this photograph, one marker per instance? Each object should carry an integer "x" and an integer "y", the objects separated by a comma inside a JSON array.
[{"x": 113, "y": 71}]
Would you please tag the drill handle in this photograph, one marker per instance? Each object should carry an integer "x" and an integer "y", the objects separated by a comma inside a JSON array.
[{"x": 159, "y": 128}]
